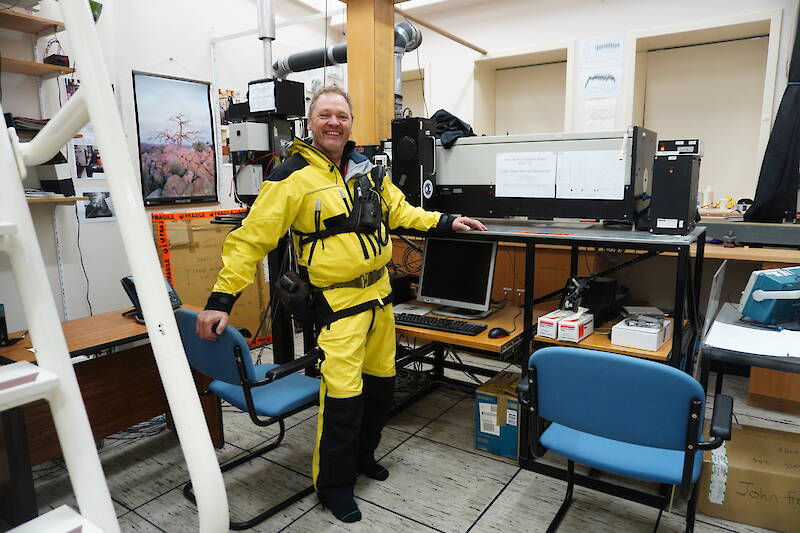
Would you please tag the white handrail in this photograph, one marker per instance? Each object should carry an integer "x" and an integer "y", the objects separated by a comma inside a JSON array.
[
  {"x": 137, "y": 239},
  {"x": 47, "y": 337}
]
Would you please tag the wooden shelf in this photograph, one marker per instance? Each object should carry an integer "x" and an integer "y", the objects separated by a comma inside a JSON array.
[
  {"x": 23, "y": 22},
  {"x": 57, "y": 200},
  {"x": 602, "y": 342},
  {"x": 32, "y": 68}
]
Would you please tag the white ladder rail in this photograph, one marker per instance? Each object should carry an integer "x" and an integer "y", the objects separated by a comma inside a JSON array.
[
  {"x": 44, "y": 327},
  {"x": 96, "y": 98},
  {"x": 137, "y": 238}
]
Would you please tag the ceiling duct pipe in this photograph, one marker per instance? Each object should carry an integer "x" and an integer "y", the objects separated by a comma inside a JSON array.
[
  {"x": 407, "y": 37},
  {"x": 266, "y": 33}
]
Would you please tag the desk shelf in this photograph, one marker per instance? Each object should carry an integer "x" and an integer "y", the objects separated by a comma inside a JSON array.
[
  {"x": 22, "y": 22},
  {"x": 32, "y": 68},
  {"x": 58, "y": 200},
  {"x": 602, "y": 342}
]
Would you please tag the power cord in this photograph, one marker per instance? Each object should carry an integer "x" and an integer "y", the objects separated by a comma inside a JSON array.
[{"x": 83, "y": 266}]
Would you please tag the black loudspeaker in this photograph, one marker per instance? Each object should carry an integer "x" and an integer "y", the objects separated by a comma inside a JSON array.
[
  {"x": 413, "y": 164},
  {"x": 673, "y": 209}
]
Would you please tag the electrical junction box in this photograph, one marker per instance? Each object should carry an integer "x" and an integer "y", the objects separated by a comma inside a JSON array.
[{"x": 252, "y": 136}]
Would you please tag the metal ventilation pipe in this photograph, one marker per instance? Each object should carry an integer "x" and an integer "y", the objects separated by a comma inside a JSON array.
[
  {"x": 266, "y": 32},
  {"x": 407, "y": 37}
]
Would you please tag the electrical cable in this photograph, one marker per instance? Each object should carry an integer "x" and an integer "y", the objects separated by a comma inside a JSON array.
[{"x": 80, "y": 254}]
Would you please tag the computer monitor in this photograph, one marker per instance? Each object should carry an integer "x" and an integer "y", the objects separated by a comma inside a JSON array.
[{"x": 458, "y": 273}]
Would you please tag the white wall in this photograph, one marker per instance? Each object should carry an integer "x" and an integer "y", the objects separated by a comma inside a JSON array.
[
  {"x": 170, "y": 38},
  {"x": 507, "y": 26},
  {"x": 530, "y": 99},
  {"x": 713, "y": 92}
]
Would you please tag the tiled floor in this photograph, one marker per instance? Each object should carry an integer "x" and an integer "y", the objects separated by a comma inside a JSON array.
[{"x": 437, "y": 482}]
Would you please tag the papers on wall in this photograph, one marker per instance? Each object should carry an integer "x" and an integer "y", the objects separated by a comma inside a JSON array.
[
  {"x": 602, "y": 51},
  {"x": 526, "y": 174},
  {"x": 88, "y": 162},
  {"x": 601, "y": 82},
  {"x": 582, "y": 174},
  {"x": 600, "y": 114},
  {"x": 98, "y": 207},
  {"x": 592, "y": 175}
]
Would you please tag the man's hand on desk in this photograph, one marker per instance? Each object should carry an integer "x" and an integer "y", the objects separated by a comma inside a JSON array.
[
  {"x": 211, "y": 324},
  {"x": 466, "y": 224}
]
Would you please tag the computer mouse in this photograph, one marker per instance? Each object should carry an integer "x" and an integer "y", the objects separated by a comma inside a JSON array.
[{"x": 496, "y": 333}]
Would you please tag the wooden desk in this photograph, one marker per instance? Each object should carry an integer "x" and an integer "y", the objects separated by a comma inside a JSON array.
[
  {"x": 87, "y": 335},
  {"x": 119, "y": 390},
  {"x": 602, "y": 342},
  {"x": 509, "y": 317}
]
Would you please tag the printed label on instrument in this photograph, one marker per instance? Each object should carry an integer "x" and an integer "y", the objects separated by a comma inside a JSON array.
[{"x": 667, "y": 223}]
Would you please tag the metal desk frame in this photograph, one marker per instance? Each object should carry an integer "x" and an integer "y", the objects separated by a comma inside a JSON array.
[
  {"x": 711, "y": 353},
  {"x": 687, "y": 295}
]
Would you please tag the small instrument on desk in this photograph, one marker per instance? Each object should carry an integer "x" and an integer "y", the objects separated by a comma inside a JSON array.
[
  {"x": 440, "y": 324},
  {"x": 130, "y": 290},
  {"x": 772, "y": 296}
]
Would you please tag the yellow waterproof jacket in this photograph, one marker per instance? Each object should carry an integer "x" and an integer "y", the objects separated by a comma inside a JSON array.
[{"x": 301, "y": 194}]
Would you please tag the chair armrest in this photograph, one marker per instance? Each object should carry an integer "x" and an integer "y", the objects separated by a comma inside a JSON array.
[
  {"x": 721, "y": 421},
  {"x": 310, "y": 359},
  {"x": 722, "y": 417},
  {"x": 524, "y": 392}
]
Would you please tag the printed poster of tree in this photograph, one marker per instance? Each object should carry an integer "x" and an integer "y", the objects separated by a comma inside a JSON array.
[{"x": 176, "y": 143}]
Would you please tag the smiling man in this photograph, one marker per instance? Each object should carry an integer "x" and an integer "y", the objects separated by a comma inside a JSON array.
[{"x": 340, "y": 209}]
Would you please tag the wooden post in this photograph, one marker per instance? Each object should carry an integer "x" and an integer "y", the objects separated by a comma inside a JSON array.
[{"x": 370, "y": 68}]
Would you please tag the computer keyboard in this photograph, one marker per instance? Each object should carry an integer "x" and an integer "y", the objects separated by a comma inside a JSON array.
[{"x": 441, "y": 324}]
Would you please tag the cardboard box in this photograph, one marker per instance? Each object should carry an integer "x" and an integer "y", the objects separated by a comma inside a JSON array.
[
  {"x": 639, "y": 337},
  {"x": 190, "y": 249},
  {"x": 548, "y": 324},
  {"x": 576, "y": 327},
  {"x": 756, "y": 479},
  {"x": 496, "y": 417}
]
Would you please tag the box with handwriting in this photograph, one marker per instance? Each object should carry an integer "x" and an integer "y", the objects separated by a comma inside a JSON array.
[{"x": 754, "y": 479}]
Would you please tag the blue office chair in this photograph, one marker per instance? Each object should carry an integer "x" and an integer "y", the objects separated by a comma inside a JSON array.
[
  {"x": 271, "y": 391},
  {"x": 622, "y": 415}
]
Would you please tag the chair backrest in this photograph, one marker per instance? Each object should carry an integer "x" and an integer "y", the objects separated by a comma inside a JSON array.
[
  {"x": 615, "y": 396},
  {"x": 214, "y": 359}
]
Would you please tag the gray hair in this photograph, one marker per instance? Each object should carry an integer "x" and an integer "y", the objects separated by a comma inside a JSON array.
[{"x": 330, "y": 89}]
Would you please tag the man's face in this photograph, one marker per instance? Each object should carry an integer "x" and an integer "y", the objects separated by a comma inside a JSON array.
[{"x": 330, "y": 124}]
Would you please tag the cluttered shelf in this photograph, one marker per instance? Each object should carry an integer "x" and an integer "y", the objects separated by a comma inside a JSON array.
[
  {"x": 600, "y": 340},
  {"x": 13, "y": 20},
  {"x": 32, "y": 68}
]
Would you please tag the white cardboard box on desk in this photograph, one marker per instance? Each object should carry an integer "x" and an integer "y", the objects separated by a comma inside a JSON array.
[
  {"x": 575, "y": 327},
  {"x": 548, "y": 324},
  {"x": 643, "y": 338}
]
